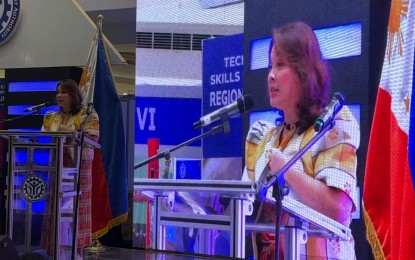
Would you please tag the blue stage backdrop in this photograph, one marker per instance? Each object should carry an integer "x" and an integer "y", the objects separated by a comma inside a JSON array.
[
  {"x": 222, "y": 85},
  {"x": 169, "y": 119}
]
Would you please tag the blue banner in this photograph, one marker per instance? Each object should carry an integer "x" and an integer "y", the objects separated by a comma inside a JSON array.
[
  {"x": 222, "y": 85},
  {"x": 169, "y": 119}
]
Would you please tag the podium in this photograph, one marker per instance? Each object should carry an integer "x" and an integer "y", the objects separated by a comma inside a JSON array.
[
  {"x": 41, "y": 179},
  {"x": 240, "y": 195}
]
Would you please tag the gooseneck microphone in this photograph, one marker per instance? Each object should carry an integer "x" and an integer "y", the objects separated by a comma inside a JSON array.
[
  {"x": 330, "y": 111},
  {"x": 241, "y": 105},
  {"x": 37, "y": 107},
  {"x": 89, "y": 108}
]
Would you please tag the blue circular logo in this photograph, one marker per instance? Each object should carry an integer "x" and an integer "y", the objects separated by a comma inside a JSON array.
[
  {"x": 33, "y": 188},
  {"x": 10, "y": 14}
]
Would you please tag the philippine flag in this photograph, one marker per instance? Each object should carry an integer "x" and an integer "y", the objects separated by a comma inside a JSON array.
[
  {"x": 388, "y": 195},
  {"x": 109, "y": 202}
]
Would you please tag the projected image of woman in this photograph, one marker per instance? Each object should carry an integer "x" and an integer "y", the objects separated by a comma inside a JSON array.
[{"x": 324, "y": 179}]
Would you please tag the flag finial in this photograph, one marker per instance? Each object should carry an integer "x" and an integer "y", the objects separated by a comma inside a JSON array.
[{"x": 99, "y": 23}]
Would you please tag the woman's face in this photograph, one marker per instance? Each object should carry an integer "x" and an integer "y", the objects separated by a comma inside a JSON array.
[
  {"x": 63, "y": 99},
  {"x": 284, "y": 87}
]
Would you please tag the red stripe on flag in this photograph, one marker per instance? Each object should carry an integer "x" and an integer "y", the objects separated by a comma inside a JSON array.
[
  {"x": 100, "y": 205},
  {"x": 389, "y": 197}
]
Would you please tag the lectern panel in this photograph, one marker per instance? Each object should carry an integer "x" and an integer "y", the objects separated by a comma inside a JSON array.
[
  {"x": 41, "y": 190},
  {"x": 207, "y": 216}
]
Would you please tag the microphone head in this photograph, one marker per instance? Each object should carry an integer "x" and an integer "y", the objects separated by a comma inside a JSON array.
[
  {"x": 339, "y": 97},
  {"x": 197, "y": 124},
  {"x": 90, "y": 107},
  {"x": 336, "y": 104},
  {"x": 245, "y": 103}
]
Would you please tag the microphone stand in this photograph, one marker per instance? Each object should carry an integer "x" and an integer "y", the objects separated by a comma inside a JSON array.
[
  {"x": 78, "y": 188},
  {"x": 166, "y": 153},
  {"x": 37, "y": 111},
  {"x": 279, "y": 192},
  {"x": 225, "y": 126}
]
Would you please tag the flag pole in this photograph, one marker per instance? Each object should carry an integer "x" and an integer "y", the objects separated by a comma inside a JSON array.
[{"x": 96, "y": 246}]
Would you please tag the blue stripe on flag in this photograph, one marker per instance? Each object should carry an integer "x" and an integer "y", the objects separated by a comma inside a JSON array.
[
  {"x": 108, "y": 106},
  {"x": 411, "y": 137}
]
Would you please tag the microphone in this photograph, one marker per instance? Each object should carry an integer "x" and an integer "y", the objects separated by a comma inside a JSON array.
[
  {"x": 241, "y": 105},
  {"x": 330, "y": 111},
  {"x": 89, "y": 108},
  {"x": 30, "y": 109}
]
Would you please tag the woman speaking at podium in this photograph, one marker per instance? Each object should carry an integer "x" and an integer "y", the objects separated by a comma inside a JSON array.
[
  {"x": 325, "y": 177},
  {"x": 72, "y": 116}
]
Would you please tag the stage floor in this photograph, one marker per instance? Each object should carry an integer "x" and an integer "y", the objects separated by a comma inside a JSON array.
[{"x": 125, "y": 253}]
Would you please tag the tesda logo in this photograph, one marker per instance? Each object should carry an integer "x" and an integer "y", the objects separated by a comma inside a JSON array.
[{"x": 10, "y": 14}]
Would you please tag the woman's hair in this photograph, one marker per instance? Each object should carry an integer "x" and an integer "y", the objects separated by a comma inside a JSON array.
[
  {"x": 297, "y": 42},
  {"x": 73, "y": 90}
]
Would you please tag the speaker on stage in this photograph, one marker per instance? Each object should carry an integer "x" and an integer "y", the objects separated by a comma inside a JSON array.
[{"x": 7, "y": 249}]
